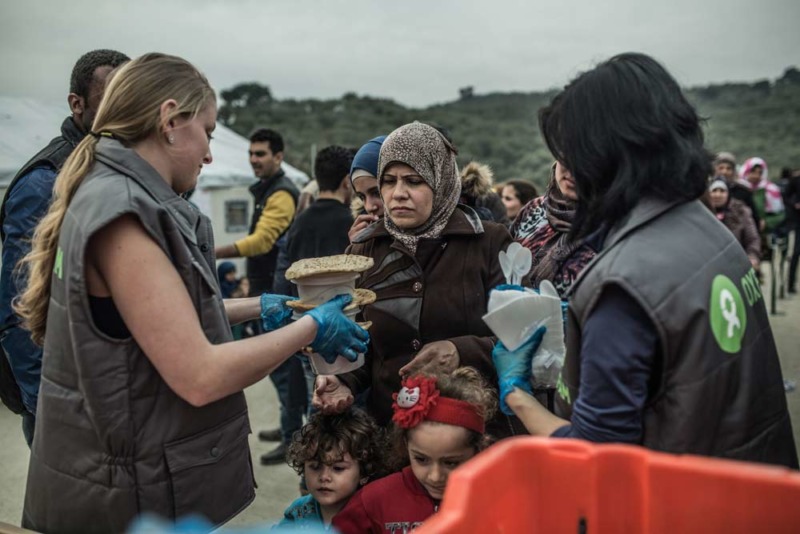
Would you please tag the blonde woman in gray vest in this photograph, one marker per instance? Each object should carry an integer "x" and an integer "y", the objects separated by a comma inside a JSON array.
[
  {"x": 668, "y": 341},
  {"x": 141, "y": 406}
]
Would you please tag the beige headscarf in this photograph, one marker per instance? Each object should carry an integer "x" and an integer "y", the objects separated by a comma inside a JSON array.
[{"x": 427, "y": 151}]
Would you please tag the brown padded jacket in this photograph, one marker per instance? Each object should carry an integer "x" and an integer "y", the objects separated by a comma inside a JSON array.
[{"x": 441, "y": 298}]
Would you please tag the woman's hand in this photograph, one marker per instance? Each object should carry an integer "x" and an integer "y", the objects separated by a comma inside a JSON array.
[
  {"x": 330, "y": 395},
  {"x": 514, "y": 366},
  {"x": 361, "y": 222},
  {"x": 434, "y": 358},
  {"x": 274, "y": 311},
  {"x": 336, "y": 334}
]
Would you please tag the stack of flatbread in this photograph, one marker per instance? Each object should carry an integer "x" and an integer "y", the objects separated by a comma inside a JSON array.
[
  {"x": 305, "y": 270},
  {"x": 341, "y": 263}
]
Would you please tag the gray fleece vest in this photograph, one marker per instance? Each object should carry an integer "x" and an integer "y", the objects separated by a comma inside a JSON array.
[
  {"x": 112, "y": 439},
  {"x": 717, "y": 388}
]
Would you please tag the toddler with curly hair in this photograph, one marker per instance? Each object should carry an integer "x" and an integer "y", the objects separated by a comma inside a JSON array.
[{"x": 337, "y": 454}]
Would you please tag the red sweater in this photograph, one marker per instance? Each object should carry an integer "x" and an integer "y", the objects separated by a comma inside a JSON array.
[{"x": 395, "y": 504}]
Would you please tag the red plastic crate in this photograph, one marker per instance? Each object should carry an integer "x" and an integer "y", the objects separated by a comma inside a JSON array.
[{"x": 540, "y": 485}]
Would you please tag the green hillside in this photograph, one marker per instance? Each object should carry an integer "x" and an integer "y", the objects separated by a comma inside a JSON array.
[{"x": 762, "y": 118}]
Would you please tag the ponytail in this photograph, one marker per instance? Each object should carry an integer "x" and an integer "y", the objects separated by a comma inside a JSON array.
[{"x": 33, "y": 303}]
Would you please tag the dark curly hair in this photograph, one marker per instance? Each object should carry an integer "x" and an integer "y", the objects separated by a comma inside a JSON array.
[
  {"x": 83, "y": 71},
  {"x": 464, "y": 384},
  {"x": 327, "y": 438}
]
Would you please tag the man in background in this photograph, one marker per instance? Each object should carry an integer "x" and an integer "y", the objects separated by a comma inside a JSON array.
[
  {"x": 320, "y": 230},
  {"x": 26, "y": 202},
  {"x": 275, "y": 197}
]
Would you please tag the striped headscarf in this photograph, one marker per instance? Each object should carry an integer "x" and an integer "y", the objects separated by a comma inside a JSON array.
[{"x": 427, "y": 151}]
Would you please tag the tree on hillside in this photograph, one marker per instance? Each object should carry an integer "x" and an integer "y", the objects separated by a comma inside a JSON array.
[
  {"x": 501, "y": 129},
  {"x": 242, "y": 97}
]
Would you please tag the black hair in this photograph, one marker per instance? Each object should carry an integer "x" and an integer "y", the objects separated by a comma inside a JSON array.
[
  {"x": 326, "y": 438},
  {"x": 526, "y": 191},
  {"x": 83, "y": 72},
  {"x": 331, "y": 166},
  {"x": 265, "y": 135},
  {"x": 625, "y": 131}
]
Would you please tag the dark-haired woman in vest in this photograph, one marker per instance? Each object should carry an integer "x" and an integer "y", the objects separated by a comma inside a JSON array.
[{"x": 668, "y": 341}]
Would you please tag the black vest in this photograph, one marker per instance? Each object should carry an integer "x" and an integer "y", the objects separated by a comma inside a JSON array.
[
  {"x": 717, "y": 389},
  {"x": 53, "y": 155},
  {"x": 261, "y": 268}
]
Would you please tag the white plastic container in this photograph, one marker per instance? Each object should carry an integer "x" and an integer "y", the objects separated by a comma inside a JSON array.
[
  {"x": 320, "y": 288},
  {"x": 339, "y": 366}
]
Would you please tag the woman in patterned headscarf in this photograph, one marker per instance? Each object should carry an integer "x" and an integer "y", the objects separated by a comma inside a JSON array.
[
  {"x": 435, "y": 262},
  {"x": 544, "y": 226}
]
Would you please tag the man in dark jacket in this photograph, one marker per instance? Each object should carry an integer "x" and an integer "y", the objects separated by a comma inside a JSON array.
[
  {"x": 275, "y": 198},
  {"x": 320, "y": 230},
  {"x": 26, "y": 201}
]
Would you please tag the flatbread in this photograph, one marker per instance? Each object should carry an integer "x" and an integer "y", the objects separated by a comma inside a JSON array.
[
  {"x": 361, "y": 297},
  {"x": 340, "y": 263}
]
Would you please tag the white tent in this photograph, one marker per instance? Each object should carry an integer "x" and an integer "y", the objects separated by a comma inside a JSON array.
[{"x": 27, "y": 125}]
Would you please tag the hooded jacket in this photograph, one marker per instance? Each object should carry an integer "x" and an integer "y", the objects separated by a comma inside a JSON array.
[
  {"x": 477, "y": 193},
  {"x": 739, "y": 220}
]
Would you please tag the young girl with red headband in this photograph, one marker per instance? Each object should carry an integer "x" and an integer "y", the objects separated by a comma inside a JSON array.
[{"x": 439, "y": 423}]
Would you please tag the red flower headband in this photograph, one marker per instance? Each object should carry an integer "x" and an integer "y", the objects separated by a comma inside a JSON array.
[{"x": 419, "y": 400}]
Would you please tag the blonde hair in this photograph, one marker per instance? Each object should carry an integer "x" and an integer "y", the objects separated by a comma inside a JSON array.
[{"x": 129, "y": 112}]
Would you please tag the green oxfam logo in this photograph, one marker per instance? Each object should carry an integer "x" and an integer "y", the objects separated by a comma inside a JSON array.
[{"x": 728, "y": 316}]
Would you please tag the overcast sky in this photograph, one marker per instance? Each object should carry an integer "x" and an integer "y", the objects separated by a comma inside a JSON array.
[{"x": 417, "y": 52}]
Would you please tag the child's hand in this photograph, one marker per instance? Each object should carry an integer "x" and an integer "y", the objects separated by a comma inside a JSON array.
[{"x": 330, "y": 395}]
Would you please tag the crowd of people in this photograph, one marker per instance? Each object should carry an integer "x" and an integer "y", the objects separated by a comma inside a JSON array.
[{"x": 129, "y": 337}]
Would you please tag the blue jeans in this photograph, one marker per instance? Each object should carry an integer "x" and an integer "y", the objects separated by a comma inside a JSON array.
[{"x": 290, "y": 383}]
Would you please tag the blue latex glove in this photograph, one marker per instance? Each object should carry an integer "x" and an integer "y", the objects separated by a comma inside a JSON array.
[
  {"x": 509, "y": 287},
  {"x": 274, "y": 311},
  {"x": 336, "y": 334},
  {"x": 514, "y": 366}
]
